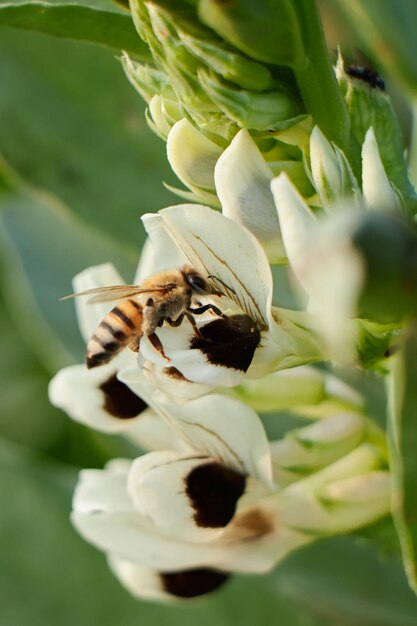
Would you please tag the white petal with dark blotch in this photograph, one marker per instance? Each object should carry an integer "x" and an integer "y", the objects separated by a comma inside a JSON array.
[
  {"x": 148, "y": 584},
  {"x": 104, "y": 514},
  {"x": 243, "y": 179},
  {"x": 224, "y": 429},
  {"x": 90, "y": 315},
  {"x": 181, "y": 494},
  {"x": 142, "y": 582},
  {"x": 191, "y": 363},
  {"x": 194, "y": 165},
  {"x": 81, "y": 393},
  {"x": 218, "y": 246}
]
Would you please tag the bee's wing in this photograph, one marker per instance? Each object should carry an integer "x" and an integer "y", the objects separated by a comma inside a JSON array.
[{"x": 115, "y": 292}]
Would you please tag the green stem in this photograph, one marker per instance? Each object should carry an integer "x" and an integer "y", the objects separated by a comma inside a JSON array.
[
  {"x": 413, "y": 147},
  {"x": 318, "y": 85}
]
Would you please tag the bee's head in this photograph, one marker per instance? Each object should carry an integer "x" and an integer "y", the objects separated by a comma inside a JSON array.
[{"x": 198, "y": 283}]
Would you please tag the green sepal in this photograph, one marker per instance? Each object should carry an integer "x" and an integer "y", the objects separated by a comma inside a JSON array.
[
  {"x": 267, "y": 31},
  {"x": 266, "y": 111}
]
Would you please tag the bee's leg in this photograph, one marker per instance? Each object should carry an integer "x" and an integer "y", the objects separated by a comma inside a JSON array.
[
  {"x": 193, "y": 323},
  {"x": 176, "y": 322},
  {"x": 156, "y": 342},
  {"x": 207, "y": 307}
]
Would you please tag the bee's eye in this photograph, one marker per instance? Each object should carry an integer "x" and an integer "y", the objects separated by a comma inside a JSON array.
[{"x": 197, "y": 282}]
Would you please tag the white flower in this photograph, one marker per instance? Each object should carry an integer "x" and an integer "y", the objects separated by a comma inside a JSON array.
[
  {"x": 255, "y": 338},
  {"x": 192, "y": 517}
]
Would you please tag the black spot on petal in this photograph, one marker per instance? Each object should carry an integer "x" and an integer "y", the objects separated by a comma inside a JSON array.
[
  {"x": 229, "y": 341},
  {"x": 192, "y": 583},
  {"x": 214, "y": 490},
  {"x": 119, "y": 400}
]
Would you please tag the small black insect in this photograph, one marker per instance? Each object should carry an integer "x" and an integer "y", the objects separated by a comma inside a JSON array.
[{"x": 367, "y": 75}]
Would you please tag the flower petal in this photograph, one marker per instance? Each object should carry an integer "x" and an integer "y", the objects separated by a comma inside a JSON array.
[
  {"x": 325, "y": 167},
  {"x": 377, "y": 189},
  {"x": 298, "y": 225},
  {"x": 218, "y": 357},
  {"x": 103, "y": 490},
  {"x": 308, "y": 449},
  {"x": 195, "y": 165},
  {"x": 90, "y": 315},
  {"x": 224, "y": 429},
  {"x": 173, "y": 383},
  {"x": 96, "y": 397},
  {"x": 218, "y": 246},
  {"x": 243, "y": 186},
  {"x": 130, "y": 536},
  {"x": 190, "y": 497},
  {"x": 160, "y": 252},
  {"x": 146, "y": 583}
]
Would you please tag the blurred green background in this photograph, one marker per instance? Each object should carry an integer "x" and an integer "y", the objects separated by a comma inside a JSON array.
[{"x": 79, "y": 166}]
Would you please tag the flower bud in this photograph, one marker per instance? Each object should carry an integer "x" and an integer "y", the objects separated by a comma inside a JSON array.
[
  {"x": 351, "y": 492},
  {"x": 232, "y": 66},
  {"x": 304, "y": 390},
  {"x": 259, "y": 111},
  {"x": 147, "y": 80},
  {"x": 306, "y": 450},
  {"x": 332, "y": 175}
]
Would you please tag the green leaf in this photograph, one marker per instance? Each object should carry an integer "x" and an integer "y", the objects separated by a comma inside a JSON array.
[
  {"x": 43, "y": 247},
  {"x": 94, "y": 21},
  {"x": 71, "y": 123},
  {"x": 403, "y": 445},
  {"x": 26, "y": 416}
]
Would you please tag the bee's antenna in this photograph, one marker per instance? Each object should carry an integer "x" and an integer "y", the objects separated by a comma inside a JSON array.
[{"x": 223, "y": 283}]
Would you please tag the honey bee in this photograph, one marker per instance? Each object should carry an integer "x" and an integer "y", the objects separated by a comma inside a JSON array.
[{"x": 165, "y": 297}]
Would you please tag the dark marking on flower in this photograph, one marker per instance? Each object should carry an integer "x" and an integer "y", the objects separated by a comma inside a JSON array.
[
  {"x": 213, "y": 491},
  {"x": 193, "y": 582},
  {"x": 228, "y": 341},
  {"x": 119, "y": 400},
  {"x": 253, "y": 524},
  {"x": 172, "y": 372}
]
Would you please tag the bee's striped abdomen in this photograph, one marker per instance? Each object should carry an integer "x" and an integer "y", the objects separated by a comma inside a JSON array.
[{"x": 119, "y": 327}]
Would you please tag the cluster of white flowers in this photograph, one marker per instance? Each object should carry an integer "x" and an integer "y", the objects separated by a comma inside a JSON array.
[{"x": 213, "y": 495}]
